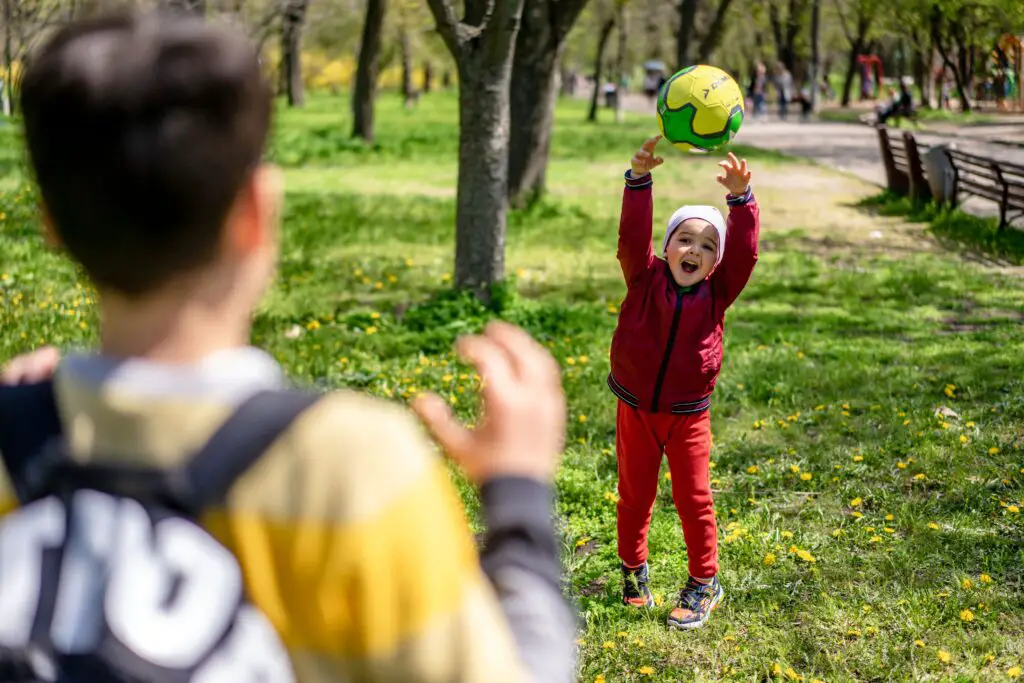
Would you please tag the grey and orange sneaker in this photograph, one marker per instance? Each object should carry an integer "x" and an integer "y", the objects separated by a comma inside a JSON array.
[
  {"x": 634, "y": 587},
  {"x": 696, "y": 603}
]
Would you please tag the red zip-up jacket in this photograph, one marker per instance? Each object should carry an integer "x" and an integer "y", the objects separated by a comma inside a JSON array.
[{"x": 667, "y": 349}]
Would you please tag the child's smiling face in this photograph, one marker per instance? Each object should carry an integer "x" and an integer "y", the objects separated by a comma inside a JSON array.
[{"x": 692, "y": 251}]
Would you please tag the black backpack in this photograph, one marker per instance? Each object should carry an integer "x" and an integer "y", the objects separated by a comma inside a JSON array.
[{"x": 105, "y": 573}]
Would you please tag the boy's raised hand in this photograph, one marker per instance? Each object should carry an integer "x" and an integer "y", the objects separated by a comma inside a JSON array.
[
  {"x": 644, "y": 160},
  {"x": 32, "y": 367},
  {"x": 736, "y": 178},
  {"x": 521, "y": 432}
]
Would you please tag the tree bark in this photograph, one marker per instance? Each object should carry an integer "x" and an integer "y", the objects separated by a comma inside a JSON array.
[
  {"x": 428, "y": 76},
  {"x": 367, "y": 70},
  {"x": 602, "y": 43},
  {"x": 620, "y": 61},
  {"x": 8, "y": 59},
  {"x": 408, "y": 92},
  {"x": 291, "y": 51},
  {"x": 713, "y": 36},
  {"x": 539, "y": 46},
  {"x": 815, "y": 53},
  {"x": 851, "y": 71},
  {"x": 686, "y": 32},
  {"x": 937, "y": 22},
  {"x": 482, "y": 44}
]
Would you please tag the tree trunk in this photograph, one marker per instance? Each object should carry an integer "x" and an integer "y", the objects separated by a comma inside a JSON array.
[
  {"x": 540, "y": 42},
  {"x": 408, "y": 93},
  {"x": 482, "y": 196},
  {"x": 937, "y": 29},
  {"x": 713, "y": 36},
  {"x": 602, "y": 43},
  {"x": 366, "y": 70},
  {"x": 620, "y": 62},
  {"x": 532, "y": 110},
  {"x": 815, "y": 53},
  {"x": 851, "y": 71},
  {"x": 8, "y": 60},
  {"x": 291, "y": 51},
  {"x": 686, "y": 32},
  {"x": 483, "y": 43},
  {"x": 428, "y": 76}
]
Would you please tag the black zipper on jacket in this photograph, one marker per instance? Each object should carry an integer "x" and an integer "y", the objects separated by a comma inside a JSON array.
[{"x": 668, "y": 349}]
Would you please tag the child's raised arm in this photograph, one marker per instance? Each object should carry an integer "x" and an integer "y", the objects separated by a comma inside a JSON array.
[
  {"x": 742, "y": 233},
  {"x": 635, "y": 253}
]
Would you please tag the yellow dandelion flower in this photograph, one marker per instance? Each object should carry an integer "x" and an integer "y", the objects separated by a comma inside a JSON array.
[
  {"x": 753, "y": 469},
  {"x": 944, "y": 656},
  {"x": 993, "y": 451},
  {"x": 889, "y": 530},
  {"x": 985, "y": 578},
  {"x": 970, "y": 424},
  {"x": 920, "y": 476},
  {"x": 805, "y": 556},
  {"x": 645, "y": 671},
  {"x": 795, "y": 469},
  {"x": 792, "y": 675},
  {"x": 1013, "y": 509},
  {"x": 608, "y": 645},
  {"x": 599, "y": 678},
  {"x": 582, "y": 418},
  {"x": 787, "y": 534},
  {"x": 1013, "y": 672},
  {"x": 858, "y": 458},
  {"x": 919, "y": 643},
  {"x": 806, "y": 476},
  {"x": 769, "y": 559},
  {"x": 901, "y": 465},
  {"x": 876, "y": 539},
  {"x": 967, "y": 584},
  {"x": 966, "y": 615},
  {"x": 889, "y": 518},
  {"x": 933, "y": 526},
  {"x": 856, "y": 515},
  {"x": 856, "y": 502},
  {"x": 372, "y": 329},
  {"x": 584, "y": 359}
]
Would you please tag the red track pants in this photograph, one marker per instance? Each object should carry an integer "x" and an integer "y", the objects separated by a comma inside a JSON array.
[{"x": 641, "y": 439}]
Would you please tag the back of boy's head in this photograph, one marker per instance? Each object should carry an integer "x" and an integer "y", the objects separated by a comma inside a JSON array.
[{"x": 142, "y": 131}]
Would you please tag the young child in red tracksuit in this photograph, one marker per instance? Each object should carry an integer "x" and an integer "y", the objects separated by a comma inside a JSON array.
[{"x": 665, "y": 359}]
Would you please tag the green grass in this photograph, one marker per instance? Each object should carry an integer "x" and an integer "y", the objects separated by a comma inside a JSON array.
[
  {"x": 955, "y": 228},
  {"x": 891, "y": 375}
]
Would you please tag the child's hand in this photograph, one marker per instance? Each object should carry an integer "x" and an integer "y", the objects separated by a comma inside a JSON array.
[
  {"x": 644, "y": 160},
  {"x": 736, "y": 178}
]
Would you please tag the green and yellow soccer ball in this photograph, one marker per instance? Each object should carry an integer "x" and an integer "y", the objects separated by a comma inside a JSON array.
[{"x": 700, "y": 109}]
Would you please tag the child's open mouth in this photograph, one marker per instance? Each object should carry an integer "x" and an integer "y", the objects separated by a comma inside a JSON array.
[{"x": 688, "y": 267}]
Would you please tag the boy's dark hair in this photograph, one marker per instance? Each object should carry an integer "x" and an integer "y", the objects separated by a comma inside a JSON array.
[{"x": 142, "y": 129}]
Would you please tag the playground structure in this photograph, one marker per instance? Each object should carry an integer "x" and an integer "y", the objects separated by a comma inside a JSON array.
[
  {"x": 1011, "y": 97},
  {"x": 869, "y": 64}
]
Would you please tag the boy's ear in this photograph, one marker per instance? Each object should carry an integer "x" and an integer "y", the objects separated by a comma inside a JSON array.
[
  {"x": 50, "y": 235},
  {"x": 253, "y": 223}
]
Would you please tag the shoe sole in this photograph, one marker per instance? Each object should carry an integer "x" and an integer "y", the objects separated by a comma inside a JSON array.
[{"x": 697, "y": 624}]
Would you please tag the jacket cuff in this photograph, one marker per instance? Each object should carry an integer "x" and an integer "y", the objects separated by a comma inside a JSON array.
[
  {"x": 739, "y": 200},
  {"x": 638, "y": 183},
  {"x": 517, "y": 512}
]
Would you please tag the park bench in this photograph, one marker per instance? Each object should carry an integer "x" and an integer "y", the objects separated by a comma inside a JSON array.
[
  {"x": 904, "y": 171},
  {"x": 997, "y": 181}
]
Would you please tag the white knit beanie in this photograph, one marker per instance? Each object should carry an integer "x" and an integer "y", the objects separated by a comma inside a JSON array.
[{"x": 707, "y": 213}]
